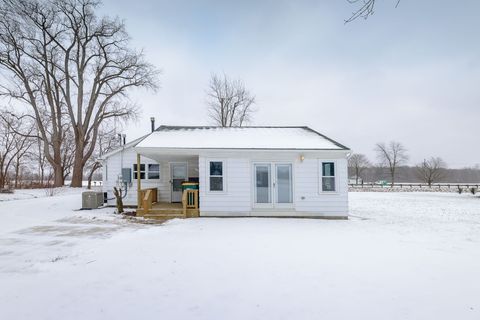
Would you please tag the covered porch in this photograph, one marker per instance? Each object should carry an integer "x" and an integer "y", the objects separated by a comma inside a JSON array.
[
  {"x": 150, "y": 208},
  {"x": 168, "y": 197}
]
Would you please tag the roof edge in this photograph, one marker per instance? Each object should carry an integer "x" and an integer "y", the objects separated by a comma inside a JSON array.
[
  {"x": 327, "y": 138},
  {"x": 131, "y": 144}
]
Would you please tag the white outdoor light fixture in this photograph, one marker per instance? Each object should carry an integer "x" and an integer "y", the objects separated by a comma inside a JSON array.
[{"x": 302, "y": 157}]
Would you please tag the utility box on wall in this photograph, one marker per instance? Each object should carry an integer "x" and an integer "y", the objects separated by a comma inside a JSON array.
[{"x": 127, "y": 175}]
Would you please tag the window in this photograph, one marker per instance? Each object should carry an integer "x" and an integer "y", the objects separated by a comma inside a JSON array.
[
  {"x": 142, "y": 171},
  {"x": 216, "y": 175},
  {"x": 328, "y": 176},
  {"x": 153, "y": 171}
]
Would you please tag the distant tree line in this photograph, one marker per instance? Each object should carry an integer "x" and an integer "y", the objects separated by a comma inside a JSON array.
[{"x": 390, "y": 166}]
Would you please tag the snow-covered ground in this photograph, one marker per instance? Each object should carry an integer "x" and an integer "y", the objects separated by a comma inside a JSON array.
[{"x": 400, "y": 256}]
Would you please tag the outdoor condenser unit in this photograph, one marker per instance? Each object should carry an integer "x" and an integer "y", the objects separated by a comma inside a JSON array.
[{"x": 92, "y": 199}]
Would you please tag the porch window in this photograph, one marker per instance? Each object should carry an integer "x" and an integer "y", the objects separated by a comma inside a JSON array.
[
  {"x": 142, "y": 171},
  {"x": 153, "y": 171},
  {"x": 216, "y": 175},
  {"x": 328, "y": 176}
]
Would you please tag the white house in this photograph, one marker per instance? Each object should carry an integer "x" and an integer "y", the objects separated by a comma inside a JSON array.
[{"x": 241, "y": 171}]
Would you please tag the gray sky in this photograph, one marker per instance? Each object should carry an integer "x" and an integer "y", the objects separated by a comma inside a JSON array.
[{"x": 409, "y": 74}]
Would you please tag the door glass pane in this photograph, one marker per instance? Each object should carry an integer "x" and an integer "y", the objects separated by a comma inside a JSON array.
[
  {"x": 177, "y": 184},
  {"x": 179, "y": 171},
  {"x": 284, "y": 183},
  {"x": 262, "y": 184}
]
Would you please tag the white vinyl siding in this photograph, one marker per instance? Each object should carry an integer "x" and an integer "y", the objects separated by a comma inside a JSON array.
[
  {"x": 163, "y": 186},
  {"x": 236, "y": 197},
  {"x": 307, "y": 201},
  {"x": 308, "y": 198},
  {"x": 238, "y": 186}
]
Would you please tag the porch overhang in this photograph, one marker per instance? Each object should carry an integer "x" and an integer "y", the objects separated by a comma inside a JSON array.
[{"x": 163, "y": 154}]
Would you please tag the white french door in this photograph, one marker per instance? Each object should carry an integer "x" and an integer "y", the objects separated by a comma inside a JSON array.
[{"x": 273, "y": 185}]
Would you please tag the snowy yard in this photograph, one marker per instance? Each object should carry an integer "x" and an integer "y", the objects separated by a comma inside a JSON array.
[{"x": 400, "y": 256}]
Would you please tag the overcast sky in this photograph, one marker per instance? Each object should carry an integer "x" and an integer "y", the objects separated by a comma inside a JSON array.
[{"x": 410, "y": 74}]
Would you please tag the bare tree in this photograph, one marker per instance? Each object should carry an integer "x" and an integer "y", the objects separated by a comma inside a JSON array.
[
  {"x": 13, "y": 145},
  {"x": 432, "y": 170},
  {"x": 357, "y": 163},
  {"x": 23, "y": 144},
  {"x": 73, "y": 69},
  {"x": 366, "y": 8},
  {"x": 230, "y": 103},
  {"x": 392, "y": 156},
  {"x": 107, "y": 141}
]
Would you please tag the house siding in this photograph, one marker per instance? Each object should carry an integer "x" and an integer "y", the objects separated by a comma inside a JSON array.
[
  {"x": 236, "y": 200},
  {"x": 112, "y": 168}
]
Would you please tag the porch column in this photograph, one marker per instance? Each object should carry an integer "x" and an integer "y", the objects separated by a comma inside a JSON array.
[{"x": 139, "y": 183}]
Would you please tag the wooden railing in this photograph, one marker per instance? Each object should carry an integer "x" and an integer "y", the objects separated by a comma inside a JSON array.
[
  {"x": 149, "y": 197},
  {"x": 189, "y": 201}
]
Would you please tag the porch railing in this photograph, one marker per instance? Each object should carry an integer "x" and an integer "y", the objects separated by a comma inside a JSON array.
[
  {"x": 189, "y": 200},
  {"x": 149, "y": 197}
]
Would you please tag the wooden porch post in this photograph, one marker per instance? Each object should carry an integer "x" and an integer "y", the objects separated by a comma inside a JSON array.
[{"x": 139, "y": 183}]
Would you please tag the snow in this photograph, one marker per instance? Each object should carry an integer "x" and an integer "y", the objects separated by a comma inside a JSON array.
[
  {"x": 237, "y": 138},
  {"x": 400, "y": 256}
]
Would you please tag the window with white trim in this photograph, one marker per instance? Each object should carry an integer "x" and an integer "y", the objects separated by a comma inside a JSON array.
[
  {"x": 142, "y": 171},
  {"x": 216, "y": 176},
  {"x": 328, "y": 176},
  {"x": 153, "y": 171}
]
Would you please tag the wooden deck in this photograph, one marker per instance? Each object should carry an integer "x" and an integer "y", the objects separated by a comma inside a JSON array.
[{"x": 188, "y": 208}]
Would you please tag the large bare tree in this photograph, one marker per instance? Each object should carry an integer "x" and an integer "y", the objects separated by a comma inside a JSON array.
[
  {"x": 357, "y": 163},
  {"x": 431, "y": 170},
  {"x": 365, "y": 9},
  {"x": 74, "y": 71},
  {"x": 230, "y": 103},
  {"x": 392, "y": 156}
]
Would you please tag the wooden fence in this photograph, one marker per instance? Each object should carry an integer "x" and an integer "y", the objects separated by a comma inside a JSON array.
[{"x": 415, "y": 185}]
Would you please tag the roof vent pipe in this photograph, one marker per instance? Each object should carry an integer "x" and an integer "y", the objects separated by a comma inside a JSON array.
[{"x": 152, "y": 120}]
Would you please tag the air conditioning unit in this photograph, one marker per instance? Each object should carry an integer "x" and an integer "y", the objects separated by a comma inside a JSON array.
[{"x": 92, "y": 199}]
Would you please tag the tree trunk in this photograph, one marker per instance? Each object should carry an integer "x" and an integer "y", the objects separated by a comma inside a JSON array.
[
  {"x": 77, "y": 175},
  {"x": 118, "y": 196},
  {"x": 90, "y": 175},
  {"x": 58, "y": 180},
  {"x": 17, "y": 170},
  {"x": 392, "y": 173},
  {"x": 77, "y": 172}
]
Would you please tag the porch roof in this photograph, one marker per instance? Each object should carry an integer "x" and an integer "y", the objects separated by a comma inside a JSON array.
[{"x": 262, "y": 138}]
